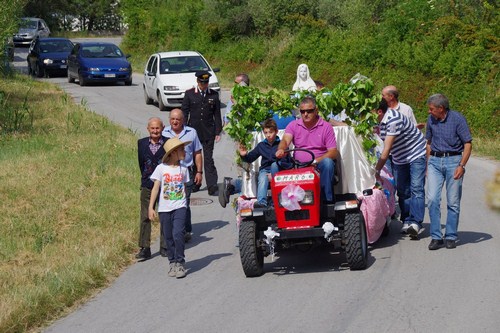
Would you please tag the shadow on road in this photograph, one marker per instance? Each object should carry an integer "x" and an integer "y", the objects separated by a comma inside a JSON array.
[
  {"x": 472, "y": 237},
  {"x": 314, "y": 260},
  {"x": 198, "y": 264},
  {"x": 201, "y": 228}
]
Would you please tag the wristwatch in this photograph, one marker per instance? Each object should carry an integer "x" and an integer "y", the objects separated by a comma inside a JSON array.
[{"x": 462, "y": 165}]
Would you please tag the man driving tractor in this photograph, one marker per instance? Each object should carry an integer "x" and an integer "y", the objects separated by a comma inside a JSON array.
[{"x": 315, "y": 134}]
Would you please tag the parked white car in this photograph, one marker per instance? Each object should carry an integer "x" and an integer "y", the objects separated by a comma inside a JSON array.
[{"x": 168, "y": 75}]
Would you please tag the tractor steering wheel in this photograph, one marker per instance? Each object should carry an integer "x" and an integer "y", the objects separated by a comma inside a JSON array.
[{"x": 297, "y": 164}]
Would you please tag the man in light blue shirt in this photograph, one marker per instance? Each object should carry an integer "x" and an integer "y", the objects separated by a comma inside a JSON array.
[{"x": 177, "y": 129}]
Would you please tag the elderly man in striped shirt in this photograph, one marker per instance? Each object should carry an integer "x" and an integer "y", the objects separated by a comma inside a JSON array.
[{"x": 407, "y": 145}]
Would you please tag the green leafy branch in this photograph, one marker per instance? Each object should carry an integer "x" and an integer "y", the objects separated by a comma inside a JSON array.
[{"x": 357, "y": 100}]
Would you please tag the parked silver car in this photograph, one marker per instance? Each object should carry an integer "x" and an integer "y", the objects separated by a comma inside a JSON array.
[{"x": 29, "y": 29}]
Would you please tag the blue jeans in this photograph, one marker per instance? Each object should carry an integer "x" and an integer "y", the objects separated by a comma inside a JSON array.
[
  {"x": 326, "y": 169},
  {"x": 410, "y": 183},
  {"x": 441, "y": 170},
  {"x": 174, "y": 226},
  {"x": 262, "y": 185}
]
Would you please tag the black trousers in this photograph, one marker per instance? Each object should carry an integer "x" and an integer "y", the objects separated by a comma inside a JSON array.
[{"x": 208, "y": 162}]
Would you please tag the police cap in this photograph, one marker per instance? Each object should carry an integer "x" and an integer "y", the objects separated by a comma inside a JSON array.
[{"x": 203, "y": 76}]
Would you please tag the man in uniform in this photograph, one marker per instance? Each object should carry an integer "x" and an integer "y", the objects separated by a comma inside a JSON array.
[{"x": 201, "y": 108}]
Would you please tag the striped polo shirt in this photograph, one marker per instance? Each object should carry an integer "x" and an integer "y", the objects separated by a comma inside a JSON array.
[{"x": 409, "y": 143}]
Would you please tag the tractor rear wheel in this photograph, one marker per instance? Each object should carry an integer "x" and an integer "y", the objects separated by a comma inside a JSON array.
[
  {"x": 251, "y": 255},
  {"x": 356, "y": 241}
]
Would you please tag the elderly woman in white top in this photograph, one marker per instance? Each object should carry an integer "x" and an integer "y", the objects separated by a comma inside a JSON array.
[{"x": 304, "y": 80}]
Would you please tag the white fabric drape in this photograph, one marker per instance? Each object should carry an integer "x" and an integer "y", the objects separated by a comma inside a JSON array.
[{"x": 354, "y": 171}]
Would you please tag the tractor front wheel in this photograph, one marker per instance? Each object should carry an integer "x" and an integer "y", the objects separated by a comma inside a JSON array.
[
  {"x": 356, "y": 241},
  {"x": 251, "y": 255}
]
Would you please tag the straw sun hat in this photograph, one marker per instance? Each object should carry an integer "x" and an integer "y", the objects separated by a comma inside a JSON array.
[{"x": 171, "y": 145}]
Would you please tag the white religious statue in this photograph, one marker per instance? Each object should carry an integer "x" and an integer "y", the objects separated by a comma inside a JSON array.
[{"x": 304, "y": 80}]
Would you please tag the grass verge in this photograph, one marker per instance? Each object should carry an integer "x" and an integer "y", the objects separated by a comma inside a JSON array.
[{"x": 69, "y": 187}]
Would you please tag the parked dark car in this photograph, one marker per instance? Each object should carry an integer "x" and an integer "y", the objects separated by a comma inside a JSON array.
[
  {"x": 29, "y": 29},
  {"x": 98, "y": 62},
  {"x": 49, "y": 56}
]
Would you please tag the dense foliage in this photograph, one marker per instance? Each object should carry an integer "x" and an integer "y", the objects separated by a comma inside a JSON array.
[
  {"x": 252, "y": 107},
  {"x": 9, "y": 14},
  {"x": 67, "y": 15},
  {"x": 421, "y": 46}
]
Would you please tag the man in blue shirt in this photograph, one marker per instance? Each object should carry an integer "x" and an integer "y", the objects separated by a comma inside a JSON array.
[
  {"x": 449, "y": 145},
  {"x": 193, "y": 157},
  {"x": 406, "y": 143}
]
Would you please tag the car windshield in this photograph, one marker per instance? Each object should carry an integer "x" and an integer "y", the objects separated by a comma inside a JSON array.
[
  {"x": 56, "y": 46},
  {"x": 176, "y": 65},
  {"x": 29, "y": 24},
  {"x": 101, "y": 51}
]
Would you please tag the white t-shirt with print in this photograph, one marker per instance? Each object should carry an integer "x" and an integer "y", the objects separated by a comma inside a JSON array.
[{"x": 172, "y": 189}]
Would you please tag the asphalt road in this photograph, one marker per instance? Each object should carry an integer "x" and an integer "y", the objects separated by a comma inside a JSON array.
[{"x": 406, "y": 287}]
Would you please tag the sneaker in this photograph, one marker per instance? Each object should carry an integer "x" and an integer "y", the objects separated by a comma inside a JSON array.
[
  {"x": 181, "y": 271},
  {"x": 405, "y": 227},
  {"x": 435, "y": 244},
  {"x": 413, "y": 230},
  {"x": 259, "y": 205},
  {"x": 144, "y": 253},
  {"x": 450, "y": 244},
  {"x": 172, "y": 272},
  {"x": 188, "y": 236}
]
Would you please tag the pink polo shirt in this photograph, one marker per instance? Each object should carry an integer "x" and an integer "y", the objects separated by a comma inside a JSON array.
[{"x": 318, "y": 139}]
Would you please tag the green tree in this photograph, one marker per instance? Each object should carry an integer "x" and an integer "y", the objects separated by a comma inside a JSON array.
[{"x": 10, "y": 12}]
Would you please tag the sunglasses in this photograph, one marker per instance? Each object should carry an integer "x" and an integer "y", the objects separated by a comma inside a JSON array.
[{"x": 307, "y": 110}]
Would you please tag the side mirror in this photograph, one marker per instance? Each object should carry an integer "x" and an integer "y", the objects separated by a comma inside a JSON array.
[
  {"x": 128, "y": 56},
  {"x": 215, "y": 70}
]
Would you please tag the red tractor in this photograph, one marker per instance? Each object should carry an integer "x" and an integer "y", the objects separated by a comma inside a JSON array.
[{"x": 340, "y": 224}]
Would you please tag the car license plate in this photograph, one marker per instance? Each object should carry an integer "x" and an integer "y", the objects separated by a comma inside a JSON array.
[
  {"x": 63, "y": 66},
  {"x": 109, "y": 75}
]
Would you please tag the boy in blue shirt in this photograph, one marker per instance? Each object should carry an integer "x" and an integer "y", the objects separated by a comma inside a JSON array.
[{"x": 267, "y": 150}]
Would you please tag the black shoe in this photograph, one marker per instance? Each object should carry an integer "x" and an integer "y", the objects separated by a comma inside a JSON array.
[
  {"x": 188, "y": 236},
  {"x": 228, "y": 188},
  {"x": 435, "y": 244},
  {"x": 259, "y": 205},
  {"x": 450, "y": 244},
  {"x": 163, "y": 252},
  {"x": 213, "y": 190},
  {"x": 222, "y": 191},
  {"x": 195, "y": 188},
  {"x": 144, "y": 253}
]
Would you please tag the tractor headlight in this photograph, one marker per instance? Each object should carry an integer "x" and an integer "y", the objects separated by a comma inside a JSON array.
[{"x": 308, "y": 198}]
